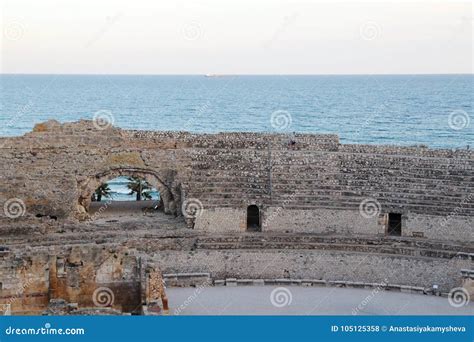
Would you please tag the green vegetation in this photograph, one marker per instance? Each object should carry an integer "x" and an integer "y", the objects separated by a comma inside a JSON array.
[
  {"x": 141, "y": 188},
  {"x": 102, "y": 191}
]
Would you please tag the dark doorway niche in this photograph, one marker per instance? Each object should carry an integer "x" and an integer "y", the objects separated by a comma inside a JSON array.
[
  {"x": 253, "y": 219},
  {"x": 394, "y": 226}
]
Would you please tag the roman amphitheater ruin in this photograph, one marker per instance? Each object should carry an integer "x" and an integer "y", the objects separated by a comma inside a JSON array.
[{"x": 238, "y": 208}]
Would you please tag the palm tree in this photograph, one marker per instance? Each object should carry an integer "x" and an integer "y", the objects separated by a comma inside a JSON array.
[
  {"x": 139, "y": 187},
  {"x": 147, "y": 195},
  {"x": 102, "y": 190}
]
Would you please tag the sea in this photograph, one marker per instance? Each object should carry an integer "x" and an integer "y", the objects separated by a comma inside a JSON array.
[
  {"x": 120, "y": 192},
  {"x": 405, "y": 110}
]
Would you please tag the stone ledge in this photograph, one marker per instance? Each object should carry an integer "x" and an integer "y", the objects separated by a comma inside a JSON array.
[
  {"x": 324, "y": 283},
  {"x": 186, "y": 279},
  {"x": 231, "y": 282},
  {"x": 468, "y": 274}
]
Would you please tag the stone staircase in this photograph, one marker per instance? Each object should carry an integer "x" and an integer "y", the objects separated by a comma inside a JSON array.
[{"x": 433, "y": 184}]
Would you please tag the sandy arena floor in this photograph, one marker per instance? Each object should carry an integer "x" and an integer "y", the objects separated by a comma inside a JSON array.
[{"x": 296, "y": 300}]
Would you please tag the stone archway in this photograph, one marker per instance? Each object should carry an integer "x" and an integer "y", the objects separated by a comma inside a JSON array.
[{"x": 170, "y": 196}]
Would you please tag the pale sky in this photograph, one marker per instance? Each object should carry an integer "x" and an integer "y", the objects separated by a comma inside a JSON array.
[{"x": 236, "y": 37}]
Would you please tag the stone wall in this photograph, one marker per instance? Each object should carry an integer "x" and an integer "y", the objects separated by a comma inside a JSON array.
[
  {"x": 103, "y": 277},
  {"x": 94, "y": 277},
  {"x": 24, "y": 281},
  {"x": 85, "y": 277},
  {"x": 335, "y": 221},
  {"x": 318, "y": 185},
  {"x": 324, "y": 265}
]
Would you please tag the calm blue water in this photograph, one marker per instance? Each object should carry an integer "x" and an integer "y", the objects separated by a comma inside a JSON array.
[
  {"x": 400, "y": 110},
  {"x": 120, "y": 192}
]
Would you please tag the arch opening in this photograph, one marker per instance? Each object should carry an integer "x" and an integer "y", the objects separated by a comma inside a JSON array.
[
  {"x": 253, "y": 219},
  {"x": 126, "y": 194},
  {"x": 153, "y": 189}
]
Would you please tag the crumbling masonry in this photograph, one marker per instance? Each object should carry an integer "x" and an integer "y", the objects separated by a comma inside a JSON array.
[{"x": 322, "y": 207}]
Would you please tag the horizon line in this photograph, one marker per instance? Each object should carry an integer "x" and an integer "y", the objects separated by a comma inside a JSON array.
[{"x": 212, "y": 75}]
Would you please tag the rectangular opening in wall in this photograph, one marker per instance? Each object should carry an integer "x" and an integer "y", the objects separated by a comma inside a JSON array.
[
  {"x": 253, "y": 219},
  {"x": 394, "y": 227}
]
